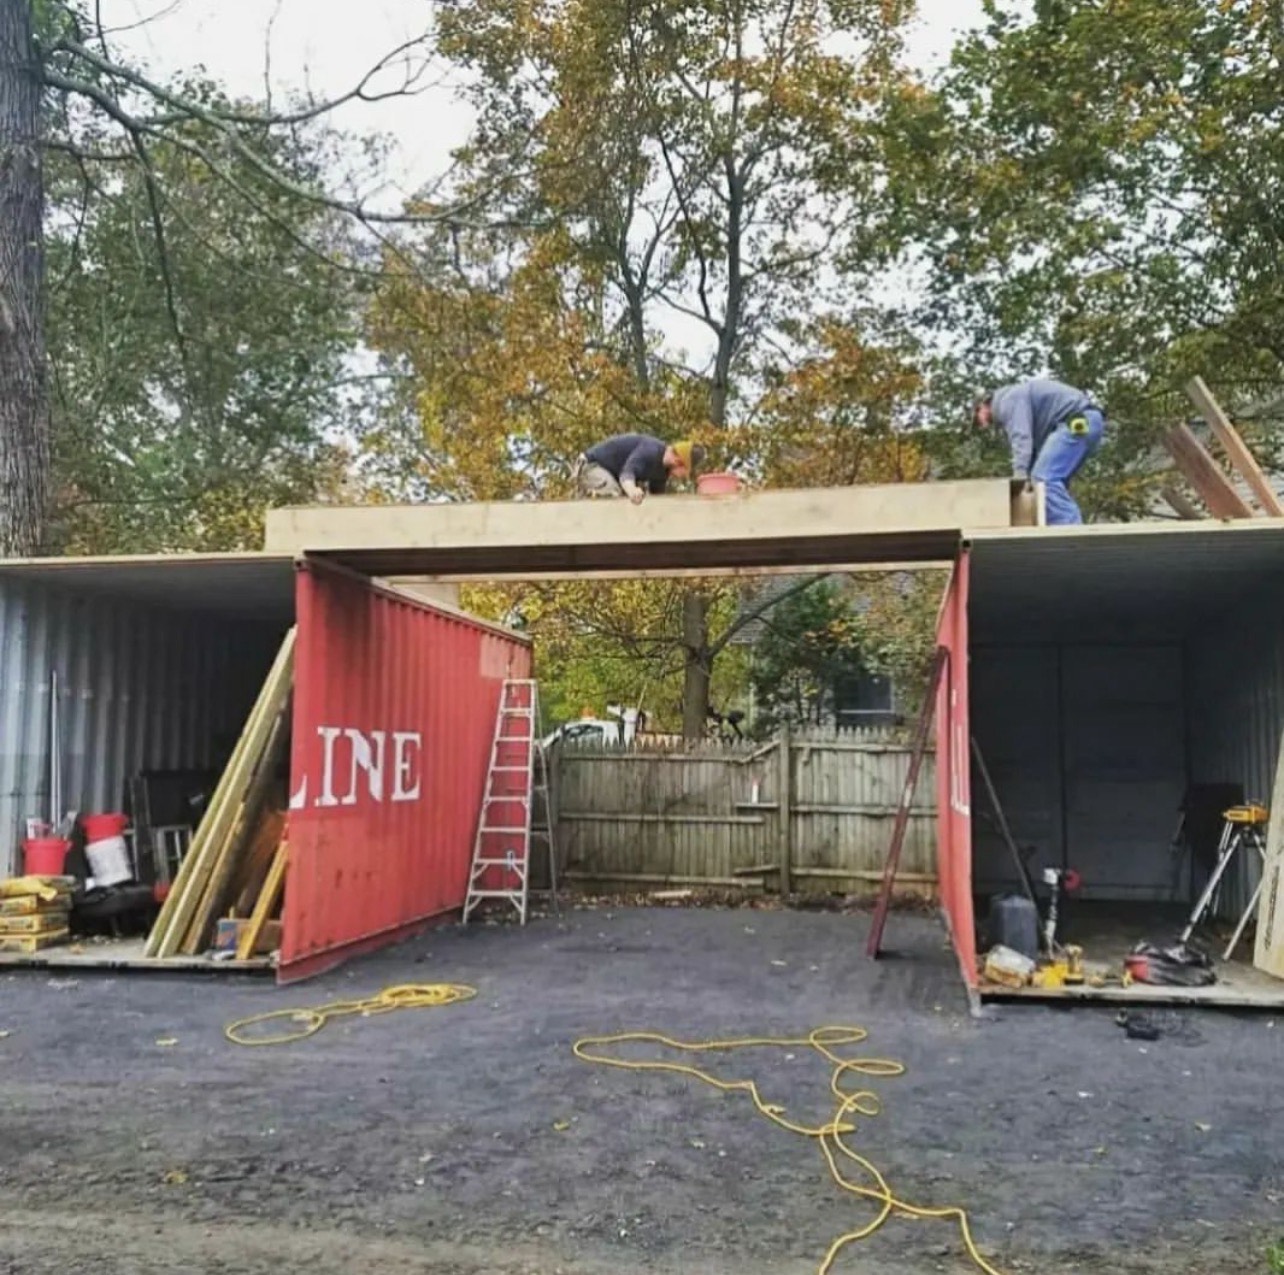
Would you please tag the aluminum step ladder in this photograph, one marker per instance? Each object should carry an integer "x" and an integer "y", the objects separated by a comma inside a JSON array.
[{"x": 516, "y": 810}]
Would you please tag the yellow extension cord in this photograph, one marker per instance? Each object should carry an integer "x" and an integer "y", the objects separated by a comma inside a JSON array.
[
  {"x": 851, "y": 1103},
  {"x": 404, "y": 996},
  {"x": 823, "y": 1040}
]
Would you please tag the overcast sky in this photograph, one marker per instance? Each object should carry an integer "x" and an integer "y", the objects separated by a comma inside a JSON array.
[{"x": 325, "y": 45}]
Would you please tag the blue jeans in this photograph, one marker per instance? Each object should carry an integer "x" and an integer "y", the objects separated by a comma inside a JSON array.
[{"x": 1059, "y": 459}]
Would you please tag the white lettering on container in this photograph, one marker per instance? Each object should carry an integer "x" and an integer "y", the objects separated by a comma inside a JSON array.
[
  {"x": 329, "y": 734},
  {"x": 366, "y": 751},
  {"x": 368, "y": 759},
  {"x": 407, "y": 748}
]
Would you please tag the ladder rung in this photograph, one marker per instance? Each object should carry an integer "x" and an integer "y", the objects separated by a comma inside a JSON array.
[{"x": 520, "y": 735}]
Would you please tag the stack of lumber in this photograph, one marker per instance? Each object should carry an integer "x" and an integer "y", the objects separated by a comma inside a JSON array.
[
  {"x": 33, "y": 912},
  {"x": 236, "y": 862},
  {"x": 1217, "y": 489}
]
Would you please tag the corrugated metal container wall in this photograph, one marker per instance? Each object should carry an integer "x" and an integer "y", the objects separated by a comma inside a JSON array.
[
  {"x": 139, "y": 688},
  {"x": 394, "y": 710},
  {"x": 954, "y": 774},
  {"x": 1235, "y": 690}
]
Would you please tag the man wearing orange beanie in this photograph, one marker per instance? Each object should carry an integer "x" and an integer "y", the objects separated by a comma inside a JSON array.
[{"x": 634, "y": 465}]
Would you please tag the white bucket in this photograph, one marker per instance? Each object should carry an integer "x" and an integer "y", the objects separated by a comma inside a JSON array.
[{"x": 109, "y": 861}]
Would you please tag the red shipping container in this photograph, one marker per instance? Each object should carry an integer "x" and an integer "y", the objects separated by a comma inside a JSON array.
[
  {"x": 394, "y": 710},
  {"x": 954, "y": 774}
]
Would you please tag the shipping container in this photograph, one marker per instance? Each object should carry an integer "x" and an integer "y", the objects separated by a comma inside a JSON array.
[
  {"x": 394, "y": 711},
  {"x": 1113, "y": 673},
  {"x": 151, "y": 665}
]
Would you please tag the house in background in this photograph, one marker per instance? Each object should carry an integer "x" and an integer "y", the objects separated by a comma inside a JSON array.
[{"x": 846, "y": 697}]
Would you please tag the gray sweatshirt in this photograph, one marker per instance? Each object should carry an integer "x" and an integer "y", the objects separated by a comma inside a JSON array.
[{"x": 1028, "y": 414}]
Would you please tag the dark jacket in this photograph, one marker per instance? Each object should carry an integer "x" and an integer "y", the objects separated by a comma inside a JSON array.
[{"x": 635, "y": 457}]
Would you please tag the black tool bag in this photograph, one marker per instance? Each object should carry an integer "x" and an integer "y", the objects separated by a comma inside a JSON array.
[{"x": 1178, "y": 965}]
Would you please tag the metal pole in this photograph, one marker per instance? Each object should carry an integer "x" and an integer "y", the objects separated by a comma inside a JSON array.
[{"x": 1002, "y": 821}]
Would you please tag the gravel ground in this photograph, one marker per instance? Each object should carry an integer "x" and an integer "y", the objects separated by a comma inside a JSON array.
[{"x": 468, "y": 1139}]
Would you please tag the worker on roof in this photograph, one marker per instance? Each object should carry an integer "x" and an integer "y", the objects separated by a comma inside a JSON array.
[
  {"x": 634, "y": 465},
  {"x": 1052, "y": 429}
]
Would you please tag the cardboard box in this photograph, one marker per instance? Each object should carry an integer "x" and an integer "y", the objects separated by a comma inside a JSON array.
[
  {"x": 35, "y": 923},
  {"x": 229, "y": 930},
  {"x": 29, "y": 943},
  {"x": 30, "y": 904},
  {"x": 47, "y": 888}
]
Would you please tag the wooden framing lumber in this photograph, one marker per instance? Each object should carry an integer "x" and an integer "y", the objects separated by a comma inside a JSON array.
[
  {"x": 229, "y": 854},
  {"x": 257, "y": 862},
  {"x": 738, "y": 573},
  {"x": 265, "y": 904},
  {"x": 175, "y": 914},
  {"x": 1237, "y": 452},
  {"x": 1029, "y": 504},
  {"x": 202, "y": 861},
  {"x": 1205, "y": 475},
  {"x": 849, "y": 525},
  {"x": 1268, "y": 945},
  {"x": 268, "y": 734}
]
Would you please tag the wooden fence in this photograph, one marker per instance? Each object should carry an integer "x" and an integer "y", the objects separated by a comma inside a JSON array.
[{"x": 808, "y": 812}]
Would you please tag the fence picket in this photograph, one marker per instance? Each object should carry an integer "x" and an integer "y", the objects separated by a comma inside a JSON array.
[{"x": 709, "y": 812}]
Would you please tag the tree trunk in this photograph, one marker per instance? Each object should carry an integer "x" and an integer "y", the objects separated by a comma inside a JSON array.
[
  {"x": 24, "y": 406},
  {"x": 695, "y": 645}
]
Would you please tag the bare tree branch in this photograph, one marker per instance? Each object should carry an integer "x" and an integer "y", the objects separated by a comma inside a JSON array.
[
  {"x": 224, "y": 125},
  {"x": 162, "y": 249},
  {"x": 186, "y": 109},
  {"x": 147, "y": 20},
  {"x": 756, "y": 612}
]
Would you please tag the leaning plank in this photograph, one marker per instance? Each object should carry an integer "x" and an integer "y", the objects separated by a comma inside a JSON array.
[
  {"x": 263, "y": 767},
  {"x": 258, "y": 862},
  {"x": 176, "y": 915},
  {"x": 265, "y": 905},
  {"x": 1268, "y": 951},
  {"x": 1237, "y": 451},
  {"x": 202, "y": 858},
  {"x": 194, "y": 870},
  {"x": 251, "y": 784},
  {"x": 1205, "y": 475}
]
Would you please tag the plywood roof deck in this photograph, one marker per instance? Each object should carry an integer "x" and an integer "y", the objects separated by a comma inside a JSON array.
[{"x": 852, "y": 526}]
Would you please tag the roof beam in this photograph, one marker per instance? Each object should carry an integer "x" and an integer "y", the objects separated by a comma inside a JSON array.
[{"x": 702, "y": 535}]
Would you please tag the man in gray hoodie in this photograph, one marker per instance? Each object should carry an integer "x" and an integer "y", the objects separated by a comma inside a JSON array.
[{"x": 1052, "y": 429}]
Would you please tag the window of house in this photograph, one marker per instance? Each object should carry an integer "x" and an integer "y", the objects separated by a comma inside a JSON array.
[{"x": 863, "y": 700}]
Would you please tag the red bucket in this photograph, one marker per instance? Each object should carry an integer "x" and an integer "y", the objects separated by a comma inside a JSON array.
[
  {"x": 44, "y": 856},
  {"x": 719, "y": 484},
  {"x": 103, "y": 827}
]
